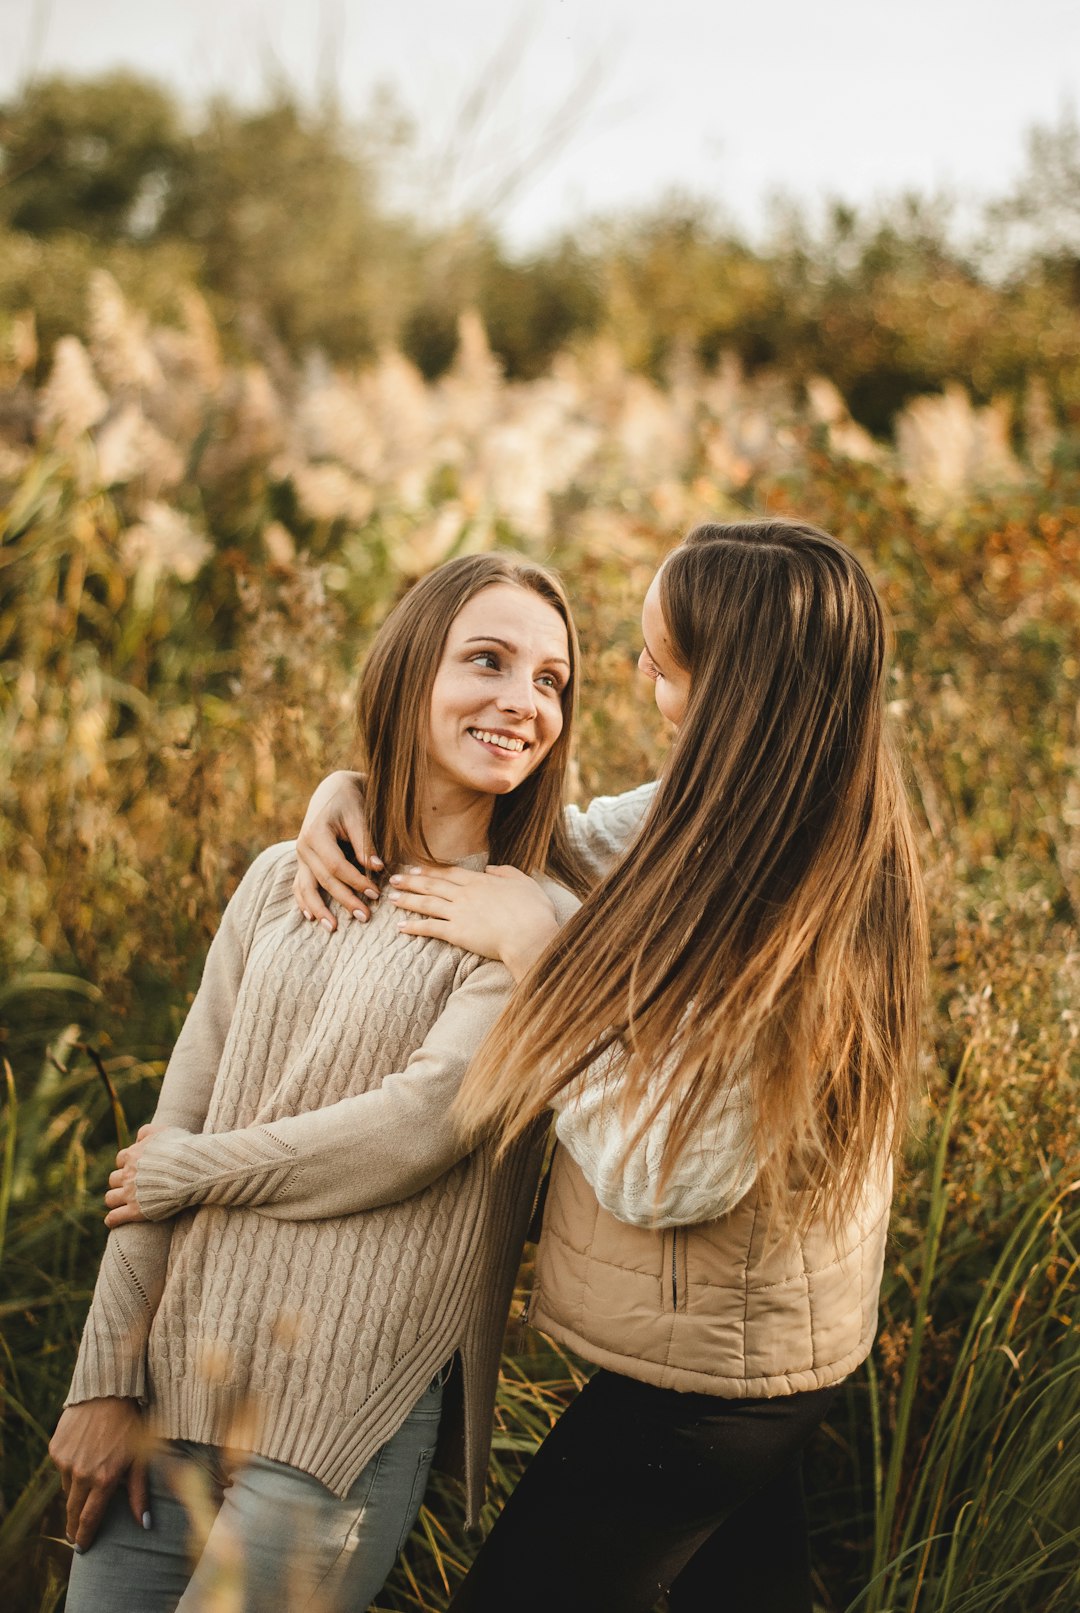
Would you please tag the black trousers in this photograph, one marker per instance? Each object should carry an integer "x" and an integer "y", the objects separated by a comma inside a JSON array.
[{"x": 639, "y": 1490}]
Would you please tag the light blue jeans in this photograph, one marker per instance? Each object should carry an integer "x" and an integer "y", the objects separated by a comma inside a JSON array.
[{"x": 264, "y": 1537}]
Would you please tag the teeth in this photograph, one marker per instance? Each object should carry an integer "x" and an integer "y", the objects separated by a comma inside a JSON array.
[{"x": 503, "y": 742}]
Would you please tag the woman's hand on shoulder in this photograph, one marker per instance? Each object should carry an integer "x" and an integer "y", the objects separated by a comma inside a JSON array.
[
  {"x": 499, "y": 913},
  {"x": 97, "y": 1445},
  {"x": 335, "y": 813}
]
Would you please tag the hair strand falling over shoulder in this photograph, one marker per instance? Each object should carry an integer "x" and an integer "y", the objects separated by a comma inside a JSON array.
[{"x": 769, "y": 915}]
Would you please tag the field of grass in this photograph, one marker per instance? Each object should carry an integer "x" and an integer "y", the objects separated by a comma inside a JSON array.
[{"x": 193, "y": 558}]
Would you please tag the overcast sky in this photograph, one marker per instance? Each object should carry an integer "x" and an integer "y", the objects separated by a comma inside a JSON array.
[{"x": 856, "y": 98}]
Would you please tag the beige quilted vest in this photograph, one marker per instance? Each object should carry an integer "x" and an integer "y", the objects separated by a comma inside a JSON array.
[{"x": 715, "y": 1307}]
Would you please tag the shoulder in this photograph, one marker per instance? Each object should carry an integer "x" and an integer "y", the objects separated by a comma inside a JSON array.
[
  {"x": 273, "y": 860},
  {"x": 268, "y": 879},
  {"x": 271, "y": 867}
]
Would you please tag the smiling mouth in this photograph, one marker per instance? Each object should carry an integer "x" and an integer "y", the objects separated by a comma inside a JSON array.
[{"x": 499, "y": 742}]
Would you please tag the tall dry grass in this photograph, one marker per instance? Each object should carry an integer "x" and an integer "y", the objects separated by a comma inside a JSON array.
[{"x": 193, "y": 558}]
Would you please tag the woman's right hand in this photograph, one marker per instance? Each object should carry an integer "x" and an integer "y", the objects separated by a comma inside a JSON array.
[
  {"x": 500, "y": 913},
  {"x": 335, "y": 812},
  {"x": 97, "y": 1445}
]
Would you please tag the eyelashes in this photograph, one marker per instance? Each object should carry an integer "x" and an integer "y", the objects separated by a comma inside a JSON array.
[{"x": 489, "y": 659}]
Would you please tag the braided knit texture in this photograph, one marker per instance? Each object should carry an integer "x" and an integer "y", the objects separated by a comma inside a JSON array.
[{"x": 321, "y": 1241}]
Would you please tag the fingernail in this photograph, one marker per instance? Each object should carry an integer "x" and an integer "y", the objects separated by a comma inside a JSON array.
[
  {"x": 306, "y": 914},
  {"x": 360, "y": 913},
  {"x": 372, "y": 896},
  {"x": 79, "y": 1550},
  {"x": 412, "y": 870},
  {"x": 375, "y": 862},
  {"x": 395, "y": 879},
  {"x": 326, "y": 924},
  {"x": 146, "y": 1520}
]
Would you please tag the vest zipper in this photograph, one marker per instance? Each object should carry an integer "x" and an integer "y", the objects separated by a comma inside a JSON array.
[
  {"x": 522, "y": 1323},
  {"x": 674, "y": 1268}
]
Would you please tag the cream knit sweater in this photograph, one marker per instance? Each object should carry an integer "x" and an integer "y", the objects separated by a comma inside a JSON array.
[{"x": 320, "y": 1242}]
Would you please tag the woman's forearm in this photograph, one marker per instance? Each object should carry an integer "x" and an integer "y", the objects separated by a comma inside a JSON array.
[
  {"x": 603, "y": 831},
  {"x": 112, "y": 1353},
  {"x": 374, "y": 1148},
  {"x": 529, "y": 942}
]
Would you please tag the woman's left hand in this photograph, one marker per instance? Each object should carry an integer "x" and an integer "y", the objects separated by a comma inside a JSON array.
[
  {"x": 122, "y": 1204},
  {"x": 500, "y": 913}
]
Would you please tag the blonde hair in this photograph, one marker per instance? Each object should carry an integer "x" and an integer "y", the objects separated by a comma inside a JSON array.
[
  {"x": 769, "y": 913},
  {"x": 393, "y": 706}
]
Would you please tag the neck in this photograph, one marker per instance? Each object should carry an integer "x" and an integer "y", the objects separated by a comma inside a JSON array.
[{"x": 456, "y": 823}]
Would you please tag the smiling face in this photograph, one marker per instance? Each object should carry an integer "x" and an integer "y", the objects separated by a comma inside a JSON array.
[
  {"x": 658, "y": 662},
  {"x": 496, "y": 702}
]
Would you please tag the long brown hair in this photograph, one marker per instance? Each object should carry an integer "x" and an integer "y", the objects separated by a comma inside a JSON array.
[
  {"x": 394, "y": 702},
  {"x": 769, "y": 915}
]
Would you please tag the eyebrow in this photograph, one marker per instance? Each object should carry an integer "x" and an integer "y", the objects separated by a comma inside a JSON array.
[{"x": 489, "y": 638}]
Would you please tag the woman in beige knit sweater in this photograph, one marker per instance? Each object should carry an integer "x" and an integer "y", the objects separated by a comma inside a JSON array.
[
  {"x": 726, "y": 1030},
  {"x": 304, "y": 1241}
]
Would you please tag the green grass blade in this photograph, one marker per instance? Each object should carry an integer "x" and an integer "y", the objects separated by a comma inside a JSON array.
[{"x": 7, "y": 1168}]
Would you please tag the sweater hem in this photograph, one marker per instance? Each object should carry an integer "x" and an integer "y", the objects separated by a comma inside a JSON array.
[{"x": 332, "y": 1447}]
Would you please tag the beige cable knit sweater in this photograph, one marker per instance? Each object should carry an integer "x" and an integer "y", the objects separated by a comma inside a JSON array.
[{"x": 319, "y": 1243}]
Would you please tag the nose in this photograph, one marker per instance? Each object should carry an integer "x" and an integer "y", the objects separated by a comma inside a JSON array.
[
  {"x": 643, "y": 664},
  {"x": 518, "y": 696}
]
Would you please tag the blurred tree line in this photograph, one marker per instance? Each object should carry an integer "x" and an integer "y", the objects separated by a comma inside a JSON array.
[{"x": 284, "y": 219}]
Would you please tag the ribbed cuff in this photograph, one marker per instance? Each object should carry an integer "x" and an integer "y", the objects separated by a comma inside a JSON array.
[
  {"x": 112, "y": 1355},
  {"x": 178, "y": 1170},
  {"x": 101, "y": 1374}
]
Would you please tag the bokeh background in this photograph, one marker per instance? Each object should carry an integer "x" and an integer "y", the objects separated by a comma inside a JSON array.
[{"x": 295, "y": 304}]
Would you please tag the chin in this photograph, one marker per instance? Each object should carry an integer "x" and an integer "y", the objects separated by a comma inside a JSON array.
[
  {"x": 488, "y": 783},
  {"x": 499, "y": 786}
]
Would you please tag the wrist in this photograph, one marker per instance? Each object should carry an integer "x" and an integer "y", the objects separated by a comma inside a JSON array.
[
  {"x": 525, "y": 949},
  {"x": 160, "y": 1174}
]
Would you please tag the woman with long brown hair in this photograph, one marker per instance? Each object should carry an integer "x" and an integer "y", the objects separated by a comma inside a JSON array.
[
  {"x": 727, "y": 1029},
  {"x": 306, "y": 1237}
]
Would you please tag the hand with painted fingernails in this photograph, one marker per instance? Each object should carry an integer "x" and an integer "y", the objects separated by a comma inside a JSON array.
[
  {"x": 98, "y": 1445},
  {"x": 335, "y": 858},
  {"x": 498, "y": 913}
]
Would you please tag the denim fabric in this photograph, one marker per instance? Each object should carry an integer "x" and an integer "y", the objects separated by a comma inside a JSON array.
[{"x": 257, "y": 1535}]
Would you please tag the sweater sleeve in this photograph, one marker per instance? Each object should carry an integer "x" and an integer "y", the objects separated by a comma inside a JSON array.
[
  {"x": 368, "y": 1150},
  {"x": 607, "y": 826},
  {"x": 112, "y": 1354},
  {"x": 708, "y": 1177}
]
